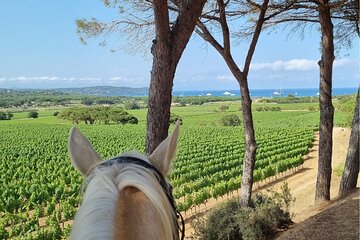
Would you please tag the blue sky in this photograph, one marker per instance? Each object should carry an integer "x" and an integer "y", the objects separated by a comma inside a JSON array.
[{"x": 39, "y": 48}]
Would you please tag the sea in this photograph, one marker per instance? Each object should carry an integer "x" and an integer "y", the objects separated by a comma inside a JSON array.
[{"x": 259, "y": 93}]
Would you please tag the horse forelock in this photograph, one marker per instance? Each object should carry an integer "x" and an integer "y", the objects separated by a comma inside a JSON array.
[{"x": 96, "y": 217}]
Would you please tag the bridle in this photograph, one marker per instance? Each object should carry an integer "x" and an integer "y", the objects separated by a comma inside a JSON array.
[{"x": 167, "y": 188}]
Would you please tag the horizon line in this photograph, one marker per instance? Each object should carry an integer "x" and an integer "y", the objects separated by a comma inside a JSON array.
[{"x": 176, "y": 90}]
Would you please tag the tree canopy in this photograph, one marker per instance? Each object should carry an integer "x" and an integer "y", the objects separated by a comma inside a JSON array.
[
  {"x": 5, "y": 115},
  {"x": 92, "y": 115}
]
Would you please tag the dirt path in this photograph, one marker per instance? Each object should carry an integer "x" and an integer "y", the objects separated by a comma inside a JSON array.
[{"x": 301, "y": 184}]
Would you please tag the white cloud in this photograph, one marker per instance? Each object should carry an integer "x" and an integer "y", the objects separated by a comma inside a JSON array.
[
  {"x": 49, "y": 81},
  {"x": 69, "y": 79},
  {"x": 190, "y": 79},
  {"x": 341, "y": 62},
  {"x": 139, "y": 81},
  {"x": 279, "y": 65},
  {"x": 49, "y": 78},
  {"x": 34, "y": 79},
  {"x": 122, "y": 79},
  {"x": 55, "y": 81},
  {"x": 300, "y": 64},
  {"x": 295, "y": 65},
  {"x": 116, "y": 78},
  {"x": 91, "y": 79},
  {"x": 199, "y": 77},
  {"x": 225, "y": 78}
]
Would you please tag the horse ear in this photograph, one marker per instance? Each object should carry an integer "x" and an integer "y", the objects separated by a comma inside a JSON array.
[
  {"x": 82, "y": 154},
  {"x": 165, "y": 152}
]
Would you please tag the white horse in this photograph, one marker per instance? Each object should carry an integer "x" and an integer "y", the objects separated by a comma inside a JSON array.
[{"x": 126, "y": 197}]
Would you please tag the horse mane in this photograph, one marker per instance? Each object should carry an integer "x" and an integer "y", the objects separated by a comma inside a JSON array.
[{"x": 96, "y": 216}]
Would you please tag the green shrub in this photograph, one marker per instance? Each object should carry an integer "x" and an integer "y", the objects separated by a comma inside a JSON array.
[
  {"x": 347, "y": 107},
  {"x": 87, "y": 102},
  {"x": 196, "y": 102},
  {"x": 91, "y": 115},
  {"x": 276, "y": 109},
  {"x": 124, "y": 119},
  {"x": 312, "y": 108},
  {"x": 338, "y": 170},
  {"x": 230, "y": 120},
  {"x": 174, "y": 118},
  {"x": 131, "y": 105},
  {"x": 224, "y": 107},
  {"x": 33, "y": 114},
  {"x": 6, "y": 115},
  {"x": 3, "y": 233},
  {"x": 262, "y": 220},
  {"x": 220, "y": 223},
  {"x": 267, "y": 108},
  {"x": 3, "y": 116}
]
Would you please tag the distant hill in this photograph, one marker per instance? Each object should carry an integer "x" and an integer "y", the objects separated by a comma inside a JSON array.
[
  {"x": 98, "y": 90},
  {"x": 106, "y": 91}
]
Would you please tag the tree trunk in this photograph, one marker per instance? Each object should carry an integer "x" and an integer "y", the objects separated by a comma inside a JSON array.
[
  {"x": 167, "y": 49},
  {"x": 326, "y": 107},
  {"x": 161, "y": 84},
  {"x": 161, "y": 80},
  {"x": 241, "y": 77},
  {"x": 351, "y": 169},
  {"x": 250, "y": 142},
  {"x": 250, "y": 145}
]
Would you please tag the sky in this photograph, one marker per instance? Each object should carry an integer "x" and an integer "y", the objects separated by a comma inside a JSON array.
[{"x": 39, "y": 48}]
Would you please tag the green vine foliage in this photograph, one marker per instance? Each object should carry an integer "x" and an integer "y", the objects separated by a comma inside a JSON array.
[{"x": 40, "y": 191}]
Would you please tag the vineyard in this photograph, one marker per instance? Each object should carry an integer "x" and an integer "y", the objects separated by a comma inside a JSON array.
[{"x": 40, "y": 191}]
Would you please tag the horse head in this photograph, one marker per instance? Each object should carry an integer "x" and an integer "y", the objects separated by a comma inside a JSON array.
[{"x": 126, "y": 197}]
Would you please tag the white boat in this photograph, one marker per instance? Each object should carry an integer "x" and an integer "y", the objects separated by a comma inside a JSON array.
[
  {"x": 227, "y": 93},
  {"x": 278, "y": 92}
]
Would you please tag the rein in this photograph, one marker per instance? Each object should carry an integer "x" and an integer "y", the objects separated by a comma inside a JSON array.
[{"x": 167, "y": 188}]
